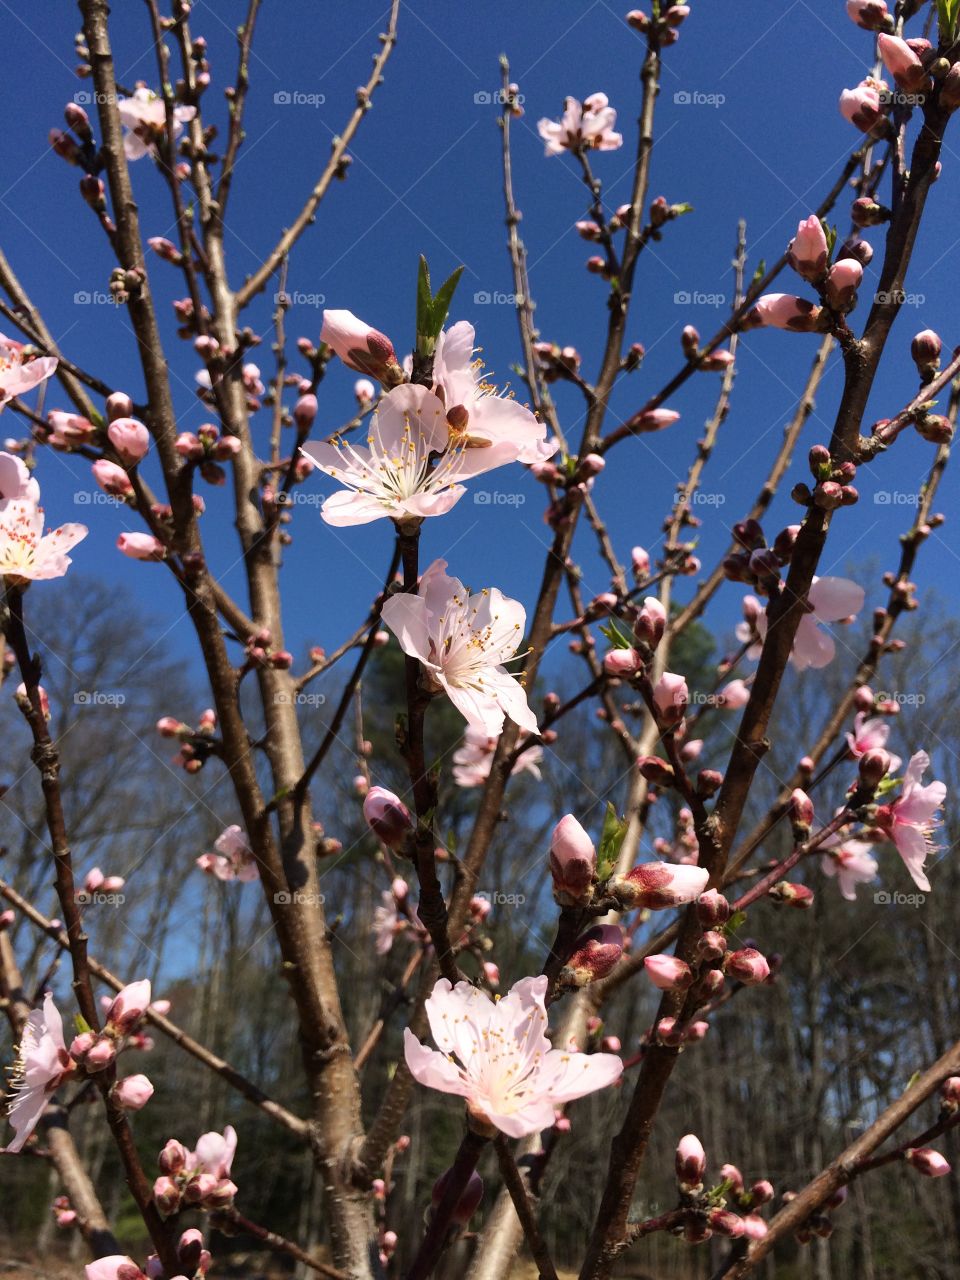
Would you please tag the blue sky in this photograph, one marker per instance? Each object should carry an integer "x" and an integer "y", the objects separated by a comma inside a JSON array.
[{"x": 426, "y": 178}]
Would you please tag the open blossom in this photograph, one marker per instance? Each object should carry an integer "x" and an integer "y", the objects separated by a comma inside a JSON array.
[
  {"x": 413, "y": 463},
  {"x": 42, "y": 1064},
  {"x": 870, "y": 733},
  {"x": 214, "y": 1153},
  {"x": 912, "y": 818},
  {"x": 472, "y": 761},
  {"x": 26, "y": 552},
  {"x": 462, "y": 642},
  {"x": 16, "y": 482},
  {"x": 831, "y": 600},
  {"x": 497, "y": 1056},
  {"x": 852, "y": 863},
  {"x": 475, "y": 411},
  {"x": 233, "y": 859},
  {"x": 144, "y": 118},
  {"x": 388, "y": 921},
  {"x": 18, "y": 375},
  {"x": 588, "y": 124}
]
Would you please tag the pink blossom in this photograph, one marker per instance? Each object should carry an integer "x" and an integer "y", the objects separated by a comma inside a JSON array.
[
  {"x": 472, "y": 761},
  {"x": 144, "y": 119},
  {"x": 901, "y": 61},
  {"x": 129, "y": 1005},
  {"x": 871, "y": 15},
  {"x": 659, "y": 885},
  {"x": 734, "y": 695},
  {"x": 141, "y": 546},
  {"x": 364, "y": 390},
  {"x": 622, "y": 662},
  {"x": 671, "y": 697},
  {"x": 747, "y": 966},
  {"x": 233, "y": 859},
  {"x": 117, "y": 1266},
  {"x": 462, "y": 642},
  {"x": 691, "y": 1162},
  {"x": 387, "y": 817},
  {"x": 784, "y": 311},
  {"x": 861, "y": 106},
  {"x": 214, "y": 1153},
  {"x": 831, "y": 600},
  {"x": 387, "y": 922},
  {"x": 112, "y": 479},
  {"x": 130, "y": 438},
  {"x": 16, "y": 482},
  {"x": 640, "y": 560},
  {"x": 26, "y": 552},
  {"x": 910, "y": 821},
  {"x": 588, "y": 125},
  {"x": 475, "y": 411},
  {"x": 360, "y": 346},
  {"x": 852, "y": 863},
  {"x": 67, "y": 430},
  {"x": 42, "y": 1064},
  {"x": 134, "y": 1092},
  {"x": 497, "y": 1056},
  {"x": 19, "y": 374},
  {"x": 748, "y": 631},
  {"x": 870, "y": 733},
  {"x": 927, "y": 1161},
  {"x": 668, "y": 973},
  {"x": 573, "y": 859},
  {"x": 413, "y": 464},
  {"x": 808, "y": 251},
  {"x": 754, "y": 1227}
]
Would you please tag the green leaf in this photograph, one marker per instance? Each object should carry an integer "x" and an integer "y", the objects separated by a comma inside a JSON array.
[
  {"x": 81, "y": 1025},
  {"x": 736, "y": 921},
  {"x": 432, "y": 309},
  {"x": 831, "y": 234},
  {"x": 947, "y": 11},
  {"x": 616, "y": 636},
  {"x": 760, "y": 272},
  {"x": 611, "y": 838}
]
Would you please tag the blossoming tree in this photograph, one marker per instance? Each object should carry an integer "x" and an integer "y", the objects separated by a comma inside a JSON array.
[{"x": 518, "y": 1066}]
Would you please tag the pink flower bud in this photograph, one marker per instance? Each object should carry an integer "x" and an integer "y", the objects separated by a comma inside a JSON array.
[
  {"x": 801, "y": 810},
  {"x": 622, "y": 663},
  {"x": 747, "y": 966},
  {"x": 141, "y": 546},
  {"x": 364, "y": 390},
  {"x": 640, "y": 561},
  {"x": 874, "y": 767},
  {"x": 754, "y": 1227},
  {"x": 808, "y": 251},
  {"x": 133, "y": 1092},
  {"x": 871, "y": 15},
  {"x": 762, "y": 1191},
  {"x": 129, "y": 1005},
  {"x": 130, "y": 438},
  {"x": 691, "y": 1162},
  {"x": 843, "y": 281},
  {"x": 82, "y": 1044},
  {"x": 190, "y": 1249},
  {"x": 902, "y": 63},
  {"x": 660, "y": 885},
  {"x": 650, "y": 623},
  {"x": 734, "y": 695},
  {"x": 573, "y": 861},
  {"x": 595, "y": 954},
  {"x": 862, "y": 107},
  {"x": 592, "y": 465},
  {"x": 726, "y": 1223},
  {"x": 100, "y": 1055},
  {"x": 387, "y": 817},
  {"x": 304, "y": 412},
  {"x": 112, "y": 479},
  {"x": 166, "y": 1195},
  {"x": 927, "y": 1161},
  {"x": 491, "y": 973},
  {"x": 784, "y": 311},
  {"x": 118, "y": 405},
  {"x": 361, "y": 347},
  {"x": 669, "y": 973},
  {"x": 670, "y": 697}
]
